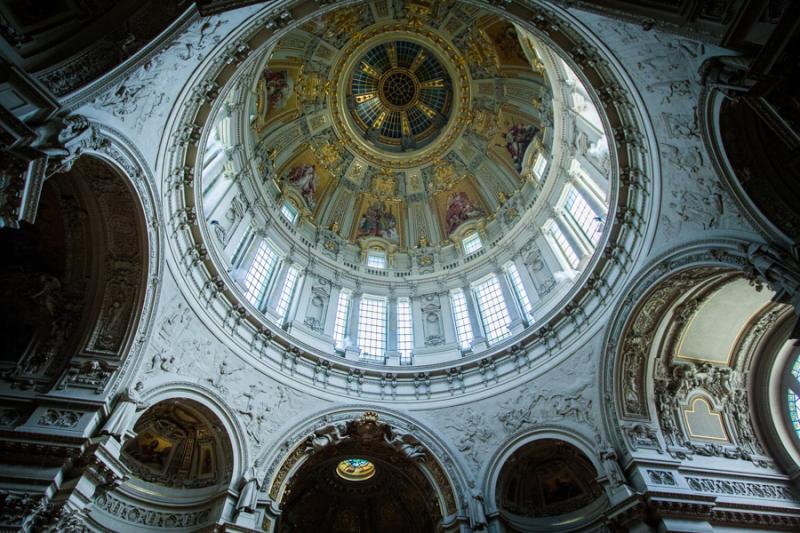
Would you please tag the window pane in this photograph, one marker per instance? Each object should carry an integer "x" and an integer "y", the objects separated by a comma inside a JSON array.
[
  {"x": 340, "y": 324},
  {"x": 472, "y": 243},
  {"x": 796, "y": 369},
  {"x": 794, "y": 411},
  {"x": 519, "y": 291},
  {"x": 461, "y": 318},
  {"x": 564, "y": 246},
  {"x": 372, "y": 328},
  {"x": 405, "y": 333},
  {"x": 289, "y": 211},
  {"x": 260, "y": 273},
  {"x": 539, "y": 166},
  {"x": 376, "y": 259},
  {"x": 493, "y": 310},
  {"x": 286, "y": 292},
  {"x": 584, "y": 216}
]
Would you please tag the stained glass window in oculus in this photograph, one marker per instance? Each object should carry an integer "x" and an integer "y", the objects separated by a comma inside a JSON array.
[
  {"x": 286, "y": 292},
  {"x": 340, "y": 323},
  {"x": 584, "y": 216},
  {"x": 260, "y": 273},
  {"x": 458, "y": 302},
  {"x": 355, "y": 469},
  {"x": 519, "y": 290},
  {"x": 493, "y": 310},
  {"x": 793, "y": 396},
  {"x": 472, "y": 243},
  {"x": 372, "y": 327},
  {"x": 405, "y": 332},
  {"x": 794, "y": 411}
]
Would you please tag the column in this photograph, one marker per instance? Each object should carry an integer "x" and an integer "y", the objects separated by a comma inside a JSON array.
[
  {"x": 588, "y": 195},
  {"x": 569, "y": 234},
  {"x": 599, "y": 180},
  {"x": 353, "y": 350},
  {"x": 277, "y": 286},
  {"x": 330, "y": 315},
  {"x": 296, "y": 300},
  {"x": 515, "y": 322},
  {"x": 391, "y": 330},
  {"x": 478, "y": 336},
  {"x": 448, "y": 321}
]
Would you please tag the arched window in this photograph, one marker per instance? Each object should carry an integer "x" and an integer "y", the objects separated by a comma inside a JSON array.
[{"x": 792, "y": 391}]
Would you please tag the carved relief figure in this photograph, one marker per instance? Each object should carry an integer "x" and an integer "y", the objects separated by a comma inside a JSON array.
[
  {"x": 517, "y": 138},
  {"x": 306, "y": 180},
  {"x": 460, "y": 209},
  {"x": 377, "y": 221}
]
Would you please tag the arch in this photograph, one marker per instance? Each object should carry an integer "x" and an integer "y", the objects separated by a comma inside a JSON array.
[
  {"x": 184, "y": 428},
  {"x": 179, "y": 443},
  {"x": 409, "y": 439},
  {"x": 217, "y": 406},
  {"x": 672, "y": 352},
  {"x": 545, "y": 434},
  {"x": 117, "y": 151},
  {"x": 91, "y": 306},
  {"x": 773, "y": 357},
  {"x": 740, "y": 139}
]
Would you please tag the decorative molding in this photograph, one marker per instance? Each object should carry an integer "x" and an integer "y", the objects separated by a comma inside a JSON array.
[
  {"x": 60, "y": 418},
  {"x": 741, "y": 488},
  {"x": 149, "y": 517}
]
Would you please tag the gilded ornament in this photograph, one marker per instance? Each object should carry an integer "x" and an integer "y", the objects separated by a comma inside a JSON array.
[
  {"x": 327, "y": 154},
  {"x": 444, "y": 175},
  {"x": 342, "y": 22},
  {"x": 483, "y": 122},
  {"x": 384, "y": 185},
  {"x": 481, "y": 51},
  {"x": 310, "y": 86}
]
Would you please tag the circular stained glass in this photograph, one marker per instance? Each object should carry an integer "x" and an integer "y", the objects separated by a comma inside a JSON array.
[
  {"x": 355, "y": 469},
  {"x": 793, "y": 396},
  {"x": 400, "y": 96}
]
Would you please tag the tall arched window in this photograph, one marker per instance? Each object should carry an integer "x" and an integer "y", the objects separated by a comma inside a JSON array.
[{"x": 792, "y": 391}]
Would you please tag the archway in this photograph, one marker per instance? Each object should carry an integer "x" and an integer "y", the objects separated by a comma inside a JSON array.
[
  {"x": 360, "y": 486},
  {"x": 547, "y": 484},
  {"x": 73, "y": 283},
  {"x": 685, "y": 362},
  {"x": 361, "y": 473},
  {"x": 689, "y": 396},
  {"x": 181, "y": 464}
]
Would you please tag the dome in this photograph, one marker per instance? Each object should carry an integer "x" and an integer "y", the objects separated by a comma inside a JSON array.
[
  {"x": 392, "y": 165},
  {"x": 399, "y": 266}
]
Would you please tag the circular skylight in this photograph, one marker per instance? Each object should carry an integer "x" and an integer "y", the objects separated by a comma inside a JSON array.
[
  {"x": 400, "y": 95},
  {"x": 355, "y": 469}
]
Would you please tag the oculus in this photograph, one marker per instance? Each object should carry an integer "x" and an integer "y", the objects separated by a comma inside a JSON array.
[
  {"x": 400, "y": 96},
  {"x": 355, "y": 469}
]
